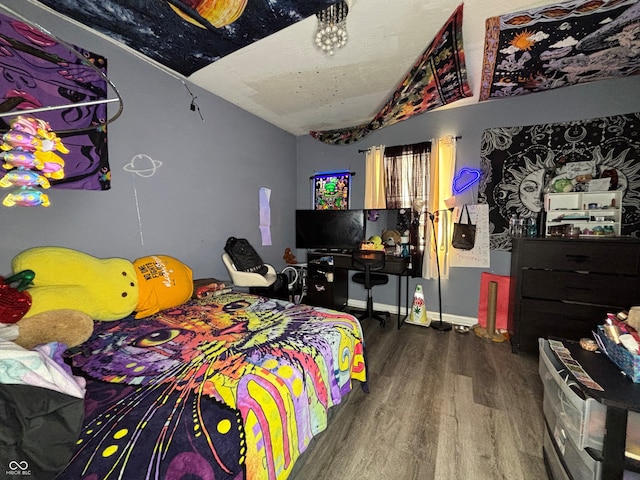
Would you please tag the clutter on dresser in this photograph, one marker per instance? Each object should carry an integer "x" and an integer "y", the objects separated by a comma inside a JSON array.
[
  {"x": 586, "y": 214},
  {"x": 522, "y": 226},
  {"x": 621, "y": 343}
]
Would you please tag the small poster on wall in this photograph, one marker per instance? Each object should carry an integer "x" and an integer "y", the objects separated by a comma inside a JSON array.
[
  {"x": 331, "y": 190},
  {"x": 479, "y": 255}
]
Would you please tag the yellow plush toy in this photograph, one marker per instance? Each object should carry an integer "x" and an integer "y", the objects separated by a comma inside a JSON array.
[{"x": 104, "y": 289}]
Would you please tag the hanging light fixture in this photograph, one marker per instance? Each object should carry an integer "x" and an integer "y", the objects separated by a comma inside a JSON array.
[{"x": 332, "y": 27}]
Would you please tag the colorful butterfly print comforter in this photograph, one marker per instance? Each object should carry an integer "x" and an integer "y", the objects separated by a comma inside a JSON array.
[{"x": 230, "y": 387}]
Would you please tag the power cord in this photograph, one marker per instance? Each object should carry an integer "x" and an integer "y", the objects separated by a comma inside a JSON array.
[{"x": 194, "y": 106}]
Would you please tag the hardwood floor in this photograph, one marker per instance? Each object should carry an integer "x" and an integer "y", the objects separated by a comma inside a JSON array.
[{"x": 442, "y": 405}]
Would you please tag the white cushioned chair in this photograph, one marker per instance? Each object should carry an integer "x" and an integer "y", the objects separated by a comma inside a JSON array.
[{"x": 249, "y": 279}]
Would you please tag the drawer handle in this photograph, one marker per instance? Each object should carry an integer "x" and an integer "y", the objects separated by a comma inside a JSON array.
[
  {"x": 571, "y": 318},
  {"x": 582, "y": 289},
  {"x": 577, "y": 258}
]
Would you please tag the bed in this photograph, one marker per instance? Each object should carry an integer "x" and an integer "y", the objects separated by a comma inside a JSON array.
[{"x": 229, "y": 387}]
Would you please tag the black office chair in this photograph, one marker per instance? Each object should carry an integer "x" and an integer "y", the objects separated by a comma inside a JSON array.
[{"x": 369, "y": 261}]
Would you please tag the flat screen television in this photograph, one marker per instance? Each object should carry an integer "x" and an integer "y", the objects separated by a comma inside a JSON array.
[{"x": 331, "y": 230}]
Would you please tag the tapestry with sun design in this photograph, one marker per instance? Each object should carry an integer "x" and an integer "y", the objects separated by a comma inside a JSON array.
[
  {"x": 229, "y": 387},
  {"x": 559, "y": 45},
  {"x": 516, "y": 160}
]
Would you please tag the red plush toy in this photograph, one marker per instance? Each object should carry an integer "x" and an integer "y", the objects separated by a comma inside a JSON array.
[{"x": 14, "y": 301}]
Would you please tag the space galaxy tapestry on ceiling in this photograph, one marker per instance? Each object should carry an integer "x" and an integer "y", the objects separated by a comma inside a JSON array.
[
  {"x": 187, "y": 35},
  {"x": 559, "y": 45},
  {"x": 514, "y": 161},
  {"x": 437, "y": 78},
  {"x": 38, "y": 71}
]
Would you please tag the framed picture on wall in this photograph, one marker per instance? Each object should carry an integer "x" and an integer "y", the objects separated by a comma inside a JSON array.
[{"x": 331, "y": 190}]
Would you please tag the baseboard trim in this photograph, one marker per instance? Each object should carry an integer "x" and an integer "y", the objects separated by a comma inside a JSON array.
[{"x": 433, "y": 316}]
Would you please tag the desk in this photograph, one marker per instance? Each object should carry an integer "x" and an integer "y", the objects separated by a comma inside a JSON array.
[{"x": 328, "y": 279}]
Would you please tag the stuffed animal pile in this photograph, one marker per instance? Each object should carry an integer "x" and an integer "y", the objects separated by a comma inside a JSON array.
[
  {"x": 41, "y": 400},
  {"x": 71, "y": 289}
]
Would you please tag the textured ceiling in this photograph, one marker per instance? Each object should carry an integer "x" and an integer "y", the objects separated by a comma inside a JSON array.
[{"x": 287, "y": 81}]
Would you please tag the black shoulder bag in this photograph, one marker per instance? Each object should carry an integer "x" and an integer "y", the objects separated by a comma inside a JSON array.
[
  {"x": 244, "y": 256},
  {"x": 464, "y": 234}
]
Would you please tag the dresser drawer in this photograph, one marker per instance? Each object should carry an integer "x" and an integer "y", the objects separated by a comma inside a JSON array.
[
  {"x": 591, "y": 288},
  {"x": 544, "y": 319},
  {"x": 564, "y": 287},
  {"x": 320, "y": 293},
  {"x": 587, "y": 256},
  {"x": 567, "y": 461}
]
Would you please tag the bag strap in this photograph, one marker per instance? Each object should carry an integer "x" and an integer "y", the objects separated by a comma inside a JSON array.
[{"x": 462, "y": 212}]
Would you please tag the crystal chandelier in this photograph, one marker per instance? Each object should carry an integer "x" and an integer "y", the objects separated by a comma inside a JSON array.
[{"x": 332, "y": 27}]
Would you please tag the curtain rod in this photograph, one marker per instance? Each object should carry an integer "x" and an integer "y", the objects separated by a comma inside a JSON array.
[{"x": 366, "y": 150}]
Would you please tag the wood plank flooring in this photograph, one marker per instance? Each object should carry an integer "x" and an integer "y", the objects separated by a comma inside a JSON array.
[{"x": 442, "y": 405}]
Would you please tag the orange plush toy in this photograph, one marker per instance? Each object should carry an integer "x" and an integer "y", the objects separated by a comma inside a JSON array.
[{"x": 163, "y": 282}]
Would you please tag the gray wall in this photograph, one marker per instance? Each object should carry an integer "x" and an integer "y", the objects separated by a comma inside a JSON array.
[
  {"x": 207, "y": 188},
  {"x": 460, "y": 292},
  {"x": 205, "y": 191}
]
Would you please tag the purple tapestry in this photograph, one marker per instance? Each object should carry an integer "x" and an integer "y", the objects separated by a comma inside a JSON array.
[
  {"x": 38, "y": 71},
  {"x": 559, "y": 45},
  {"x": 514, "y": 161}
]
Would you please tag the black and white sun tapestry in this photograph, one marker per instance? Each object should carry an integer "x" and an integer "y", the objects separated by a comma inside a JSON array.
[{"x": 515, "y": 162}]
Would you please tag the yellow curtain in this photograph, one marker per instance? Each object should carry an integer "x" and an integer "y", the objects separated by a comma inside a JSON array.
[
  {"x": 441, "y": 171},
  {"x": 375, "y": 181}
]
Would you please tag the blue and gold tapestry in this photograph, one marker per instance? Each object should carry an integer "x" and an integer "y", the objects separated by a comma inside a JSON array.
[
  {"x": 560, "y": 45},
  {"x": 187, "y": 35}
]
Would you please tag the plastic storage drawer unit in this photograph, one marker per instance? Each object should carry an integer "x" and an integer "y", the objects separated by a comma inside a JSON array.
[
  {"x": 552, "y": 459},
  {"x": 566, "y": 412},
  {"x": 580, "y": 465}
]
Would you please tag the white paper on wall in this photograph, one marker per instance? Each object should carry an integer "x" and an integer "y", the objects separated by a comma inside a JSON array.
[
  {"x": 479, "y": 255},
  {"x": 265, "y": 216}
]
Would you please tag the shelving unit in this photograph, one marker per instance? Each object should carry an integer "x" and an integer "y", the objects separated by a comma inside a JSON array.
[{"x": 594, "y": 213}]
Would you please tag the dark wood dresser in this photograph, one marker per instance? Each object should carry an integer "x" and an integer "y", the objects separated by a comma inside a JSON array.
[{"x": 564, "y": 287}]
